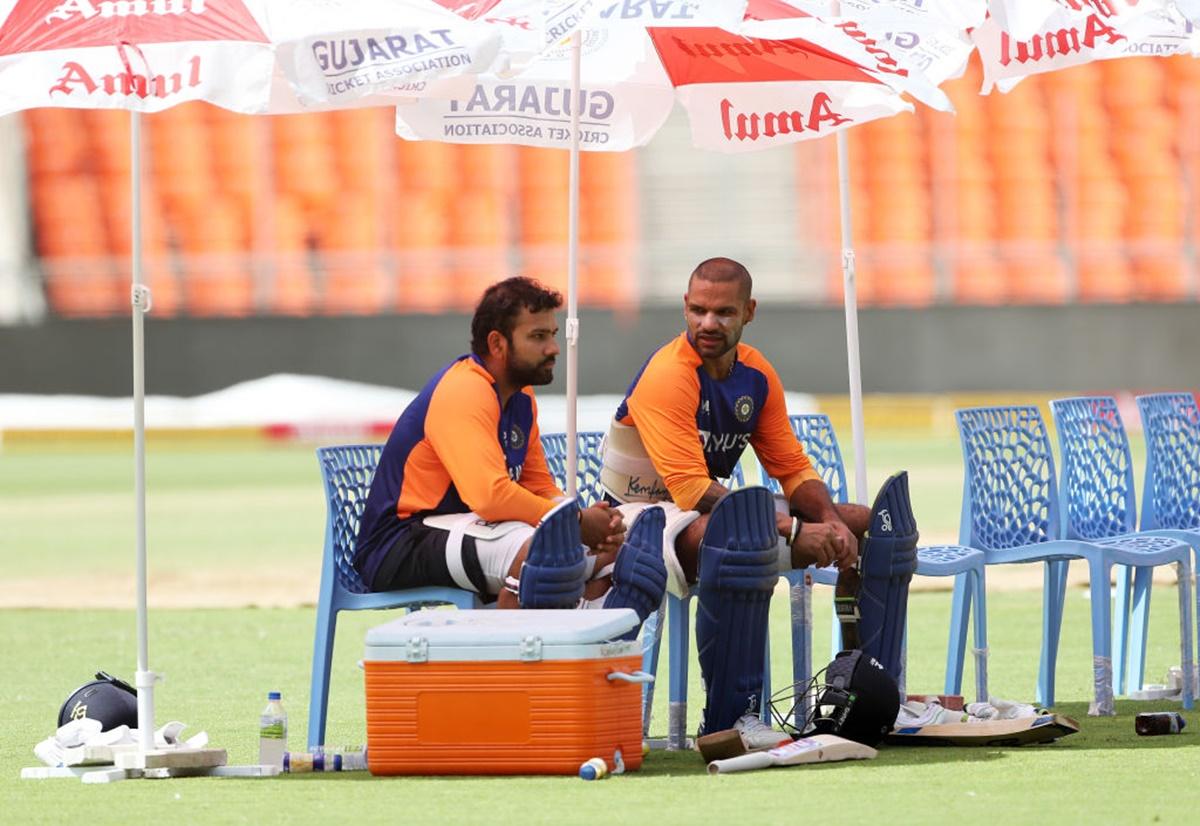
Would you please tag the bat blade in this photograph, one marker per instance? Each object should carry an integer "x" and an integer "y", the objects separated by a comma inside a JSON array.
[
  {"x": 821, "y": 748},
  {"x": 1021, "y": 732}
]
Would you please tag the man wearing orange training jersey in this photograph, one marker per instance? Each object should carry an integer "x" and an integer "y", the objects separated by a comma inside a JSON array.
[
  {"x": 462, "y": 481},
  {"x": 686, "y": 419},
  {"x": 688, "y": 416}
]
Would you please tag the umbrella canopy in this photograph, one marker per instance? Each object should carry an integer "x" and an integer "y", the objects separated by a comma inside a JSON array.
[
  {"x": 140, "y": 56},
  {"x": 637, "y": 59},
  {"x": 148, "y": 55},
  {"x": 749, "y": 75},
  {"x": 1046, "y": 37}
]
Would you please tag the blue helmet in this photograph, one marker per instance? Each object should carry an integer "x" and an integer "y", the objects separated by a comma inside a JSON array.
[{"x": 111, "y": 701}]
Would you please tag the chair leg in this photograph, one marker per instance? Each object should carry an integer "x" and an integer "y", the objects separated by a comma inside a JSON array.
[
  {"x": 322, "y": 663},
  {"x": 1054, "y": 594},
  {"x": 1139, "y": 625},
  {"x": 651, "y": 642},
  {"x": 1121, "y": 639},
  {"x": 979, "y": 609},
  {"x": 679, "y": 624},
  {"x": 1102, "y": 705},
  {"x": 956, "y": 647},
  {"x": 801, "y": 604},
  {"x": 1185, "y": 631}
]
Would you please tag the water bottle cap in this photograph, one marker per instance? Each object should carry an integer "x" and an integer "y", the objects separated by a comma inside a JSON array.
[{"x": 274, "y": 695}]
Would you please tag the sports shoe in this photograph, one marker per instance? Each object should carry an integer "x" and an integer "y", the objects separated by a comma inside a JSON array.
[{"x": 757, "y": 735}]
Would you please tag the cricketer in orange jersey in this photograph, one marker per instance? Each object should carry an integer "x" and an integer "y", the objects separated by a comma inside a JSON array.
[
  {"x": 462, "y": 480},
  {"x": 689, "y": 414}
]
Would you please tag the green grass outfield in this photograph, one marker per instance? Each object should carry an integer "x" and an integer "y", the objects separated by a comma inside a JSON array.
[
  {"x": 235, "y": 513},
  {"x": 220, "y": 663}
]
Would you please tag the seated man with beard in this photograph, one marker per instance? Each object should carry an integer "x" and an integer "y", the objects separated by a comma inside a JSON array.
[{"x": 462, "y": 482}]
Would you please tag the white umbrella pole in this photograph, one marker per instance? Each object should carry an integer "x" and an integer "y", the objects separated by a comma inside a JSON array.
[
  {"x": 850, "y": 301},
  {"x": 140, "y": 299},
  {"x": 573, "y": 273}
]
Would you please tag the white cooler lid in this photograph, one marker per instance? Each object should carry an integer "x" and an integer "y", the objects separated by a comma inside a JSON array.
[{"x": 489, "y": 634}]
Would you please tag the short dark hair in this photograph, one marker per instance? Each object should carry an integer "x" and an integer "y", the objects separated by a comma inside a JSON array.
[
  {"x": 501, "y": 304},
  {"x": 723, "y": 271}
]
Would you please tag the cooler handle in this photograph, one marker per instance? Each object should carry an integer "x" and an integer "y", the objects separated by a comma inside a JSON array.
[{"x": 635, "y": 677}]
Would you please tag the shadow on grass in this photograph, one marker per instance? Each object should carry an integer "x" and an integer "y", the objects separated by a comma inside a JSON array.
[{"x": 1095, "y": 733}]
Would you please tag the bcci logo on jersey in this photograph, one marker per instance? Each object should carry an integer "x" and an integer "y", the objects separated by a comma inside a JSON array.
[
  {"x": 515, "y": 438},
  {"x": 743, "y": 408}
]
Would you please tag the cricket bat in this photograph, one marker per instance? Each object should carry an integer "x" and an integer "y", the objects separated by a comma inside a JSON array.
[
  {"x": 1020, "y": 732},
  {"x": 820, "y": 748}
]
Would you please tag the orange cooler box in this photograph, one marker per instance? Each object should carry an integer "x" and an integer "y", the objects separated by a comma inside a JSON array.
[{"x": 503, "y": 692}]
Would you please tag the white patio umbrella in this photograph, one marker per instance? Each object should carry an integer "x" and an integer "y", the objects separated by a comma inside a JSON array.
[{"x": 146, "y": 57}]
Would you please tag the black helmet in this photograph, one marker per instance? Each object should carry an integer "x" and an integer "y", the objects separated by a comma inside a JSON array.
[
  {"x": 111, "y": 701},
  {"x": 854, "y": 696}
]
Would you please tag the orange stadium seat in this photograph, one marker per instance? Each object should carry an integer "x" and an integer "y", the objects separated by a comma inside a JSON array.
[
  {"x": 421, "y": 238},
  {"x": 479, "y": 244},
  {"x": 56, "y": 142},
  {"x": 486, "y": 168},
  {"x": 425, "y": 165},
  {"x": 216, "y": 276},
  {"x": 291, "y": 282},
  {"x": 350, "y": 234},
  {"x": 608, "y": 228},
  {"x": 71, "y": 236}
]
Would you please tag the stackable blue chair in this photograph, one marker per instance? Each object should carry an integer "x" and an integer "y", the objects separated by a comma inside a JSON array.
[
  {"x": 1096, "y": 500},
  {"x": 1171, "y": 489},
  {"x": 347, "y": 471},
  {"x": 587, "y": 451},
  {"x": 816, "y": 433},
  {"x": 1010, "y": 511}
]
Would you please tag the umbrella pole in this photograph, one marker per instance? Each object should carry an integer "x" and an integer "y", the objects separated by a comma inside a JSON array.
[
  {"x": 850, "y": 303},
  {"x": 140, "y": 299},
  {"x": 572, "y": 333}
]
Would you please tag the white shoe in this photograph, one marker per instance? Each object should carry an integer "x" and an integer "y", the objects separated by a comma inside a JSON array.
[{"x": 757, "y": 735}]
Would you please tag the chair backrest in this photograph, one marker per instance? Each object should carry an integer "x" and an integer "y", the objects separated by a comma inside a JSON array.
[
  {"x": 1095, "y": 486},
  {"x": 1009, "y": 487},
  {"x": 347, "y": 471},
  {"x": 587, "y": 448},
  {"x": 1171, "y": 492},
  {"x": 815, "y": 432}
]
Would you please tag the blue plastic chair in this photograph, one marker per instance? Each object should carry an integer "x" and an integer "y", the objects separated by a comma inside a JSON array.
[
  {"x": 816, "y": 433},
  {"x": 347, "y": 471},
  {"x": 587, "y": 451},
  {"x": 1171, "y": 488},
  {"x": 1096, "y": 500},
  {"x": 1010, "y": 511}
]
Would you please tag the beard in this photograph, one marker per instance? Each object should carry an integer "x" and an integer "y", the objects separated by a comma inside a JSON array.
[
  {"x": 531, "y": 374},
  {"x": 718, "y": 345}
]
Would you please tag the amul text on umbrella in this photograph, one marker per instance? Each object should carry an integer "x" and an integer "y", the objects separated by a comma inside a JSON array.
[{"x": 129, "y": 8}]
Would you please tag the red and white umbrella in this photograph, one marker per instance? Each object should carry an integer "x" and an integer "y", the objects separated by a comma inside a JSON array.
[
  {"x": 1018, "y": 40},
  {"x": 148, "y": 55},
  {"x": 750, "y": 76},
  {"x": 144, "y": 56}
]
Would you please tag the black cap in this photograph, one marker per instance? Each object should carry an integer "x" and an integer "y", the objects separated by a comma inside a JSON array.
[{"x": 111, "y": 701}]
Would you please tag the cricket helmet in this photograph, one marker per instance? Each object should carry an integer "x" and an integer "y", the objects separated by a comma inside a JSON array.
[
  {"x": 853, "y": 697},
  {"x": 111, "y": 701}
]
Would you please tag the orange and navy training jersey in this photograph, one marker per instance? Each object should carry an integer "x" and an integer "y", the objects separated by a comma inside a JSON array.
[
  {"x": 695, "y": 428},
  {"x": 453, "y": 450}
]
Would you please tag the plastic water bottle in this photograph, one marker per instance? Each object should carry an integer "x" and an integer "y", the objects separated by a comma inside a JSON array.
[{"x": 272, "y": 732}]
